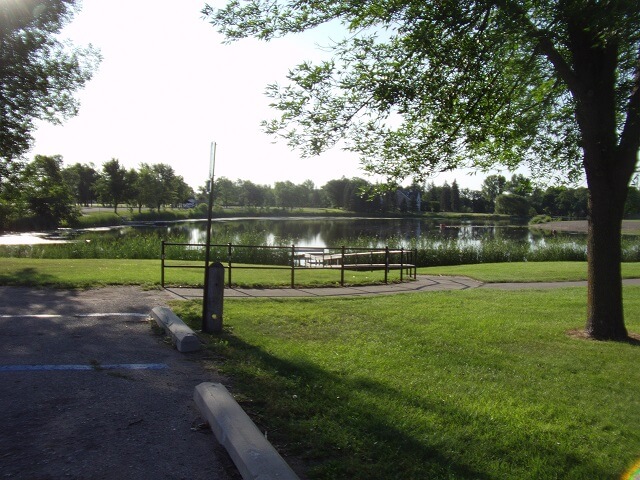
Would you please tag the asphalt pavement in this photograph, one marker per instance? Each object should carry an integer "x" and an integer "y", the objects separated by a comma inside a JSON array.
[{"x": 91, "y": 390}]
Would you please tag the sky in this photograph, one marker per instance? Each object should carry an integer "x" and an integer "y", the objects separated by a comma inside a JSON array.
[{"x": 167, "y": 87}]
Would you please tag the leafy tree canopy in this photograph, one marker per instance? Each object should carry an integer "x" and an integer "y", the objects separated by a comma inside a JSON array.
[
  {"x": 44, "y": 194},
  {"x": 39, "y": 73},
  {"x": 418, "y": 87}
]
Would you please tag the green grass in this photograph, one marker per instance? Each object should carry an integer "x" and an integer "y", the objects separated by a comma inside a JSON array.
[
  {"x": 83, "y": 273},
  {"x": 444, "y": 385},
  {"x": 526, "y": 271},
  {"x": 99, "y": 219},
  {"x": 75, "y": 273}
]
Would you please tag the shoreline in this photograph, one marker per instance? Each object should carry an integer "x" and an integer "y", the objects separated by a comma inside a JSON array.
[{"x": 631, "y": 227}]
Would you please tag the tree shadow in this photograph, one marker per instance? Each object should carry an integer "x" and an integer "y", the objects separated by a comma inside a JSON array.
[
  {"x": 358, "y": 439},
  {"x": 632, "y": 338},
  {"x": 27, "y": 277}
]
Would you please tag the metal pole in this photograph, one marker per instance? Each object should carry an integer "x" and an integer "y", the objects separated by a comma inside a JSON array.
[
  {"x": 293, "y": 266},
  {"x": 386, "y": 264},
  {"x": 212, "y": 166},
  {"x": 162, "y": 265},
  {"x": 229, "y": 262}
]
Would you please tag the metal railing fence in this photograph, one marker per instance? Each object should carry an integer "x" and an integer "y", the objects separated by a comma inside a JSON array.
[{"x": 294, "y": 258}]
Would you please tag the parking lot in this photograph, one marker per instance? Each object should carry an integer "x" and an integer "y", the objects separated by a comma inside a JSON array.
[{"x": 90, "y": 390}]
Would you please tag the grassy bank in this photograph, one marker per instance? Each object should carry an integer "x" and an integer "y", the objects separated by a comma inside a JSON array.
[
  {"x": 78, "y": 273},
  {"x": 440, "y": 385},
  {"x": 526, "y": 271},
  {"x": 85, "y": 273},
  {"x": 430, "y": 252}
]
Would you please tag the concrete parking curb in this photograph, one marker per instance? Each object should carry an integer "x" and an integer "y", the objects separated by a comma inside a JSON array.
[
  {"x": 183, "y": 337},
  {"x": 254, "y": 457}
]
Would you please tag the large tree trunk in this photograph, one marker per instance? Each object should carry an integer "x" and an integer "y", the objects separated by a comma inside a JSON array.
[
  {"x": 609, "y": 163},
  {"x": 605, "y": 316}
]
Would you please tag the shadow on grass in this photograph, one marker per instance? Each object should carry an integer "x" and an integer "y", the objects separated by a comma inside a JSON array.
[
  {"x": 29, "y": 277},
  {"x": 350, "y": 427},
  {"x": 632, "y": 339}
]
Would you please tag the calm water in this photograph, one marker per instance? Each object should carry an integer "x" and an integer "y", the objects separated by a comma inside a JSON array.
[
  {"x": 321, "y": 232},
  {"x": 333, "y": 232}
]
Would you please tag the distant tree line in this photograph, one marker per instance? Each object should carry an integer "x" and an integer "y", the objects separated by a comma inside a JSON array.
[
  {"x": 43, "y": 194},
  {"x": 354, "y": 194},
  {"x": 516, "y": 196}
]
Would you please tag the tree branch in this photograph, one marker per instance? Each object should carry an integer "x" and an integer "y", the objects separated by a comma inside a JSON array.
[
  {"x": 543, "y": 42},
  {"x": 630, "y": 137}
]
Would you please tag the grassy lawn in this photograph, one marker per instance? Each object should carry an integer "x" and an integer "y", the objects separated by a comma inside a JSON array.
[
  {"x": 78, "y": 273},
  {"x": 526, "y": 271},
  {"x": 82, "y": 273},
  {"x": 440, "y": 385}
]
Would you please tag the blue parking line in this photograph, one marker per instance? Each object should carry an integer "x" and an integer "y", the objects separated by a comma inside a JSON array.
[{"x": 112, "y": 366}]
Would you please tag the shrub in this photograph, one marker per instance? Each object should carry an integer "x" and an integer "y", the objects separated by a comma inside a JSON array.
[{"x": 540, "y": 219}]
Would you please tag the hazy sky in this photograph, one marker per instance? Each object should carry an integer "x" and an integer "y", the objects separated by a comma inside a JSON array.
[{"x": 167, "y": 87}]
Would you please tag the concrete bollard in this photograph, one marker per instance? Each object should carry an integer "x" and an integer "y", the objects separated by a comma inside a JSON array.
[{"x": 214, "y": 299}]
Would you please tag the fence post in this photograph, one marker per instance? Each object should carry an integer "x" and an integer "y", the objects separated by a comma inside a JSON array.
[
  {"x": 162, "y": 265},
  {"x": 401, "y": 263},
  {"x": 386, "y": 264},
  {"x": 214, "y": 299},
  {"x": 342, "y": 267},
  {"x": 229, "y": 261},
  {"x": 293, "y": 265}
]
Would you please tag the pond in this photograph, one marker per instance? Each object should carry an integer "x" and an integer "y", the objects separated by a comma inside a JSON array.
[
  {"x": 333, "y": 231},
  {"x": 437, "y": 241}
]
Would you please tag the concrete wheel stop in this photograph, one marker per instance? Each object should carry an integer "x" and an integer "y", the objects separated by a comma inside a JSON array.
[
  {"x": 254, "y": 457},
  {"x": 182, "y": 336}
]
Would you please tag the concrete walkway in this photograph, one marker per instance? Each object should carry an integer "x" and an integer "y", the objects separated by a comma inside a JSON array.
[{"x": 423, "y": 283}]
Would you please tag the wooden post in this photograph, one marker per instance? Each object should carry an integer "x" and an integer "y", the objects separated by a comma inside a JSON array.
[{"x": 214, "y": 299}]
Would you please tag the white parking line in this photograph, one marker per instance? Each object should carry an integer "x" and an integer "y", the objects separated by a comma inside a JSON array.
[{"x": 108, "y": 366}]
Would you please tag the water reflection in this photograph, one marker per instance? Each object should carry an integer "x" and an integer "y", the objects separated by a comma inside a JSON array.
[{"x": 332, "y": 232}]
